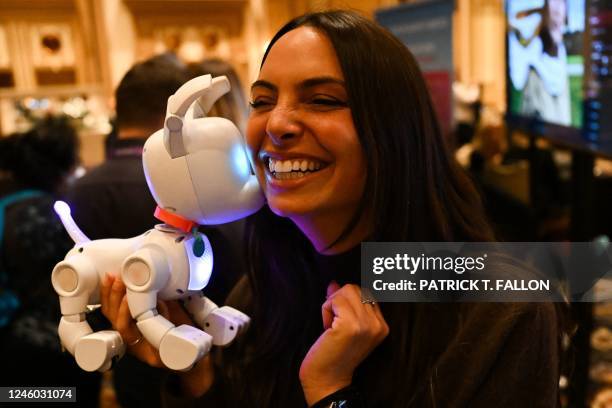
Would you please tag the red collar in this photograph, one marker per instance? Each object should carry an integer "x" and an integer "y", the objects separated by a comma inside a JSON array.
[{"x": 174, "y": 220}]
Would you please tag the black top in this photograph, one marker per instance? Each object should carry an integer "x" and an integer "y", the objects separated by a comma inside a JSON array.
[
  {"x": 113, "y": 199},
  {"x": 34, "y": 241},
  {"x": 474, "y": 355}
]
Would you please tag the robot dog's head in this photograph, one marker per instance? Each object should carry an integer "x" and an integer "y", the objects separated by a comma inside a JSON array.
[{"x": 197, "y": 167}]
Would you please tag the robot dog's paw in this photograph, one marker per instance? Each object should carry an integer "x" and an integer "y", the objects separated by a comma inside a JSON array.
[
  {"x": 183, "y": 346},
  {"x": 224, "y": 324},
  {"x": 97, "y": 351}
]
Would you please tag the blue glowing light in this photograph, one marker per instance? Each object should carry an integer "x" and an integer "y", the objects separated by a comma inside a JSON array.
[{"x": 240, "y": 161}]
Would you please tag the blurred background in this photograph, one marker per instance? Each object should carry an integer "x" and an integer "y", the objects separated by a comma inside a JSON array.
[{"x": 67, "y": 56}]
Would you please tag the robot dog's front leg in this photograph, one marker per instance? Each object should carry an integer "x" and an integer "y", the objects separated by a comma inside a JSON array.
[
  {"x": 222, "y": 323},
  {"x": 145, "y": 273},
  {"x": 75, "y": 279}
]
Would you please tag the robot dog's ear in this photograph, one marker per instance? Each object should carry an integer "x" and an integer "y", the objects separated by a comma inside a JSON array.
[
  {"x": 218, "y": 87},
  {"x": 203, "y": 87}
]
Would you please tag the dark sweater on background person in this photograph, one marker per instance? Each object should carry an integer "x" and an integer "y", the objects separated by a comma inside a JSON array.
[
  {"x": 482, "y": 354},
  {"x": 113, "y": 199},
  {"x": 34, "y": 241}
]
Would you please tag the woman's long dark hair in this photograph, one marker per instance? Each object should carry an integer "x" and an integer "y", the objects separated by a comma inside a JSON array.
[
  {"x": 417, "y": 193},
  {"x": 549, "y": 45}
]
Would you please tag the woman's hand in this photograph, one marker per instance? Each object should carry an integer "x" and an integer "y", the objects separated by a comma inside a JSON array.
[
  {"x": 115, "y": 307},
  {"x": 352, "y": 330}
]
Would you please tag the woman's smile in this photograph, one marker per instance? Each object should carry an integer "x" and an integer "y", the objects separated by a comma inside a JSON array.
[
  {"x": 285, "y": 180},
  {"x": 287, "y": 172}
]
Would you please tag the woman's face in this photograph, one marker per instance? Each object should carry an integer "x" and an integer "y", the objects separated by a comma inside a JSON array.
[
  {"x": 556, "y": 18},
  {"x": 300, "y": 132}
]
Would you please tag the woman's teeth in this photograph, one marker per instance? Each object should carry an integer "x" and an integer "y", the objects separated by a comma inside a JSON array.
[{"x": 290, "y": 169}]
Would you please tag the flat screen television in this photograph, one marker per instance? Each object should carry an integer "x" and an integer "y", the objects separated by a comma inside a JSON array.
[
  {"x": 558, "y": 82},
  {"x": 545, "y": 60}
]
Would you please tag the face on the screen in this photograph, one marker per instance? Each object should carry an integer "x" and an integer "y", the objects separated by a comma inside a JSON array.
[{"x": 557, "y": 13}]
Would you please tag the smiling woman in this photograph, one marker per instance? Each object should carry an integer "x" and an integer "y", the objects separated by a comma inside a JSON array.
[
  {"x": 345, "y": 144},
  {"x": 301, "y": 118},
  {"x": 340, "y": 92}
]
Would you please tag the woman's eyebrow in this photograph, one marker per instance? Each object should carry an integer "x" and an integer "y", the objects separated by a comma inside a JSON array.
[
  {"x": 307, "y": 83},
  {"x": 312, "y": 82},
  {"x": 263, "y": 84}
]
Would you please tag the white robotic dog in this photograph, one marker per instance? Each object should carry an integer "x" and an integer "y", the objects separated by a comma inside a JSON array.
[{"x": 199, "y": 174}]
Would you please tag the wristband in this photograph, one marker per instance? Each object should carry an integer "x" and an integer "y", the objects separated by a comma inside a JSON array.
[{"x": 346, "y": 397}]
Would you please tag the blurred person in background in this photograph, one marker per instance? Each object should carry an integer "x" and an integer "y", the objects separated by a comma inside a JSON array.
[
  {"x": 33, "y": 167},
  {"x": 232, "y": 105},
  {"x": 113, "y": 199},
  {"x": 505, "y": 172},
  {"x": 467, "y": 104}
]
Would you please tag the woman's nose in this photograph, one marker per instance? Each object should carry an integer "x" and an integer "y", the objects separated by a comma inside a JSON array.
[{"x": 283, "y": 125}]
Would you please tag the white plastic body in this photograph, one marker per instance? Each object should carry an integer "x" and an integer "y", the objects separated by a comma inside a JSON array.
[
  {"x": 198, "y": 169},
  {"x": 165, "y": 270},
  {"x": 222, "y": 323},
  {"x": 188, "y": 185}
]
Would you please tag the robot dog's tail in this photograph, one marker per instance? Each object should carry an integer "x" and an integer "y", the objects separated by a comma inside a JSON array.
[{"x": 62, "y": 209}]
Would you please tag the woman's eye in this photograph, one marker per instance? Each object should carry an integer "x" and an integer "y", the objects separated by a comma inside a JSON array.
[
  {"x": 328, "y": 102},
  {"x": 259, "y": 103}
]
